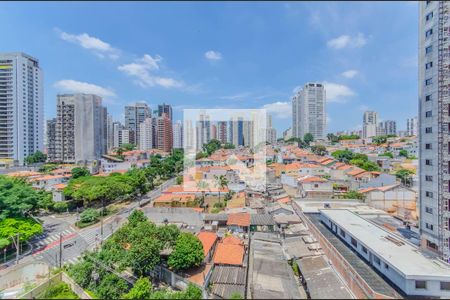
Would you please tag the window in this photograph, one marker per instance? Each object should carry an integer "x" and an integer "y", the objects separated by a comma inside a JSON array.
[
  {"x": 376, "y": 260},
  {"x": 429, "y": 194},
  {"x": 429, "y": 81},
  {"x": 386, "y": 266},
  {"x": 429, "y": 65},
  {"x": 428, "y": 114},
  {"x": 428, "y": 49},
  {"x": 428, "y": 210},
  {"x": 428, "y": 162},
  {"x": 428, "y": 146},
  {"x": 421, "y": 284},
  {"x": 428, "y": 178},
  {"x": 364, "y": 249},
  {"x": 429, "y": 226},
  {"x": 342, "y": 232},
  {"x": 445, "y": 286},
  {"x": 428, "y": 98},
  {"x": 428, "y": 129},
  {"x": 429, "y": 16},
  {"x": 354, "y": 242},
  {"x": 429, "y": 32},
  {"x": 428, "y": 2}
]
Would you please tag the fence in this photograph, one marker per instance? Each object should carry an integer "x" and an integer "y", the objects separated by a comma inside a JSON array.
[{"x": 61, "y": 276}]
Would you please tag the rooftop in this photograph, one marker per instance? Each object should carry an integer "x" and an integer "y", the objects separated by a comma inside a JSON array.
[
  {"x": 229, "y": 254},
  {"x": 390, "y": 248},
  {"x": 208, "y": 239}
]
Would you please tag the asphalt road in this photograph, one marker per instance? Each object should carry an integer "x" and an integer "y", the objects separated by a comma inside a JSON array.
[{"x": 61, "y": 236}]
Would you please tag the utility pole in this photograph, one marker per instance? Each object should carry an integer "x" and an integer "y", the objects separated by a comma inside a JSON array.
[
  {"x": 60, "y": 250},
  {"x": 101, "y": 222}
]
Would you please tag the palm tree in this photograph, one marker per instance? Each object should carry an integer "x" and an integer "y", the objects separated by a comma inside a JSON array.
[
  {"x": 202, "y": 185},
  {"x": 221, "y": 182}
]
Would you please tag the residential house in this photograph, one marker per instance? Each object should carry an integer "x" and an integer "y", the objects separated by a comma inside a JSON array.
[
  {"x": 209, "y": 241},
  {"x": 314, "y": 187}
]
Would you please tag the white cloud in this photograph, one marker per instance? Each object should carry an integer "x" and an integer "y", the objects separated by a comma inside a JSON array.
[
  {"x": 236, "y": 96},
  {"x": 337, "y": 93},
  {"x": 349, "y": 73},
  {"x": 281, "y": 110},
  {"x": 347, "y": 41},
  {"x": 96, "y": 45},
  {"x": 142, "y": 70},
  {"x": 213, "y": 55},
  {"x": 73, "y": 86}
]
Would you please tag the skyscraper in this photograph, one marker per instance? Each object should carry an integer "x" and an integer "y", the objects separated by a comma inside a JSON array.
[
  {"x": 135, "y": 115},
  {"x": 165, "y": 109},
  {"x": 80, "y": 128},
  {"x": 390, "y": 127},
  {"x": 370, "y": 123},
  {"x": 309, "y": 111},
  {"x": 178, "y": 135},
  {"x": 146, "y": 134},
  {"x": 21, "y": 107},
  {"x": 203, "y": 130},
  {"x": 411, "y": 126},
  {"x": 51, "y": 139},
  {"x": 236, "y": 133},
  {"x": 164, "y": 133},
  {"x": 109, "y": 133},
  {"x": 434, "y": 122},
  {"x": 222, "y": 131}
]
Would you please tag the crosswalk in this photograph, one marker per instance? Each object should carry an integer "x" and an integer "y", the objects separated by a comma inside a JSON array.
[
  {"x": 42, "y": 240},
  {"x": 90, "y": 236},
  {"x": 73, "y": 260}
]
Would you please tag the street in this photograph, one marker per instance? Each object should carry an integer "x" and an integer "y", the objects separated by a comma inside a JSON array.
[{"x": 47, "y": 246}]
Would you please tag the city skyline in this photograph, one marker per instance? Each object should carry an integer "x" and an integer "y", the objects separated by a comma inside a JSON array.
[{"x": 125, "y": 69}]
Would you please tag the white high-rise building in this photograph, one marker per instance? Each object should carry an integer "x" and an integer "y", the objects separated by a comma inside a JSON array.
[
  {"x": 177, "y": 135},
  {"x": 309, "y": 111},
  {"x": 134, "y": 115},
  {"x": 434, "y": 126},
  {"x": 370, "y": 124},
  {"x": 411, "y": 126},
  {"x": 21, "y": 107},
  {"x": 146, "y": 134}
]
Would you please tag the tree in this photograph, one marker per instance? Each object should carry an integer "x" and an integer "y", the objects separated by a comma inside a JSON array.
[
  {"x": 191, "y": 292},
  {"x": 404, "y": 175},
  {"x": 308, "y": 138},
  {"x": 319, "y": 150},
  {"x": 229, "y": 146},
  {"x": 142, "y": 289},
  {"x": 128, "y": 147},
  {"x": 89, "y": 215},
  {"x": 17, "y": 198},
  {"x": 387, "y": 154},
  {"x": 136, "y": 217},
  {"x": 36, "y": 157},
  {"x": 211, "y": 146},
  {"x": 60, "y": 206},
  {"x": 10, "y": 227},
  {"x": 221, "y": 182},
  {"x": 143, "y": 255},
  {"x": 353, "y": 195},
  {"x": 343, "y": 155},
  {"x": 111, "y": 287},
  {"x": 349, "y": 137},
  {"x": 188, "y": 252},
  {"x": 80, "y": 172},
  {"x": 403, "y": 153},
  {"x": 168, "y": 234},
  {"x": 381, "y": 139}
]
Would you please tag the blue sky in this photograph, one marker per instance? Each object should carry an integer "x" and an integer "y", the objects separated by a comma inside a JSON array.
[{"x": 224, "y": 54}]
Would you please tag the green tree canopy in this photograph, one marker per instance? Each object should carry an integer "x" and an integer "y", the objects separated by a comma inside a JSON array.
[
  {"x": 142, "y": 289},
  {"x": 188, "y": 252},
  {"x": 319, "y": 150},
  {"x": 343, "y": 155},
  {"x": 36, "y": 157},
  {"x": 211, "y": 146},
  {"x": 26, "y": 228},
  {"x": 18, "y": 198},
  {"x": 308, "y": 138},
  {"x": 79, "y": 172}
]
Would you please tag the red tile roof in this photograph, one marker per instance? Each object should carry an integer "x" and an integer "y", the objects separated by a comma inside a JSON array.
[
  {"x": 229, "y": 254},
  {"x": 208, "y": 239},
  {"x": 239, "y": 219},
  {"x": 232, "y": 240}
]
